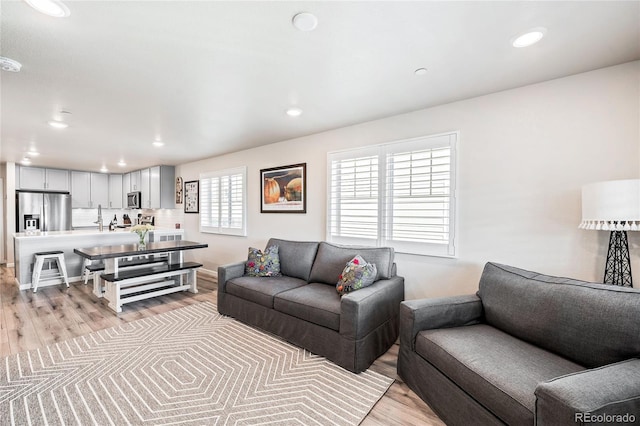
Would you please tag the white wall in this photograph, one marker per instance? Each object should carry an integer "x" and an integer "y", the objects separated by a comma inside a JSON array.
[
  {"x": 3, "y": 213},
  {"x": 9, "y": 175},
  {"x": 2, "y": 238},
  {"x": 523, "y": 156}
]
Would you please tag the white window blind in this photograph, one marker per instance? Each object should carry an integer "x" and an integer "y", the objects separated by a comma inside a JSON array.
[
  {"x": 399, "y": 194},
  {"x": 223, "y": 202}
]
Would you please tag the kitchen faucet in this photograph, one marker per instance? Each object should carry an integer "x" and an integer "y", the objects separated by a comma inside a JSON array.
[{"x": 99, "y": 221}]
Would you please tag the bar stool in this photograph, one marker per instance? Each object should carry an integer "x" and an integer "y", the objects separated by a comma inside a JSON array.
[{"x": 48, "y": 257}]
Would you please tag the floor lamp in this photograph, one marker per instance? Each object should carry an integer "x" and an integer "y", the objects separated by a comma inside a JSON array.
[{"x": 613, "y": 206}]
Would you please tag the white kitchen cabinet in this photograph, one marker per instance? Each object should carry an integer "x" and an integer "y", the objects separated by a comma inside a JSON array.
[
  {"x": 162, "y": 187},
  {"x": 80, "y": 189},
  {"x": 39, "y": 178},
  {"x": 126, "y": 184},
  {"x": 145, "y": 183},
  {"x": 155, "y": 187},
  {"x": 166, "y": 187},
  {"x": 31, "y": 178},
  {"x": 56, "y": 180},
  {"x": 135, "y": 181},
  {"x": 88, "y": 190},
  {"x": 99, "y": 190},
  {"x": 116, "y": 197}
]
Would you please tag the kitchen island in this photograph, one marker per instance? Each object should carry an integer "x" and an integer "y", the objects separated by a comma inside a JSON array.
[{"x": 26, "y": 244}]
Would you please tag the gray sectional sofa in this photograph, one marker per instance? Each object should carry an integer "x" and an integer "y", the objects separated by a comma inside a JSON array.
[
  {"x": 525, "y": 349},
  {"x": 303, "y": 306}
]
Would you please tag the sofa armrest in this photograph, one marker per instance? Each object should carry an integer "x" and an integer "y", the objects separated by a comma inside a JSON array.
[
  {"x": 594, "y": 396},
  {"x": 228, "y": 272},
  {"x": 364, "y": 310},
  {"x": 441, "y": 312}
]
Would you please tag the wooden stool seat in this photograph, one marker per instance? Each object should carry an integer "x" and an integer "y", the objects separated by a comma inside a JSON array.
[
  {"x": 46, "y": 253},
  {"x": 56, "y": 256}
]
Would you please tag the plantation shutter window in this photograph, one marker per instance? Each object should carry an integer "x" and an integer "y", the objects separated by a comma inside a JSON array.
[
  {"x": 398, "y": 194},
  {"x": 354, "y": 198},
  {"x": 223, "y": 202}
]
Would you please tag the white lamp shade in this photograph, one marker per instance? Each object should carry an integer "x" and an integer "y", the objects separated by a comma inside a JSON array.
[{"x": 611, "y": 205}]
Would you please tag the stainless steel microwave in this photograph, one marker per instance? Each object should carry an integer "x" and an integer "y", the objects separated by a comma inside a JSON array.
[{"x": 134, "y": 200}]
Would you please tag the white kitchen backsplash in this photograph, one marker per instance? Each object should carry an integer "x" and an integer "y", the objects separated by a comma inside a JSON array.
[
  {"x": 82, "y": 218},
  {"x": 164, "y": 218},
  {"x": 167, "y": 218}
]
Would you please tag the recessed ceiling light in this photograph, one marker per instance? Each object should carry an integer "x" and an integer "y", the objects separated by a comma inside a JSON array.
[
  {"x": 53, "y": 8},
  {"x": 8, "y": 64},
  {"x": 121, "y": 163},
  {"x": 26, "y": 160},
  {"x": 57, "y": 124},
  {"x": 529, "y": 38},
  {"x": 158, "y": 143},
  {"x": 294, "y": 112},
  {"x": 104, "y": 169},
  {"x": 420, "y": 71},
  {"x": 305, "y": 21}
]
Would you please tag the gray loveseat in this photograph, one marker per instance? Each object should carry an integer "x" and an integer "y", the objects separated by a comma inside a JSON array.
[
  {"x": 303, "y": 306},
  {"x": 527, "y": 348}
]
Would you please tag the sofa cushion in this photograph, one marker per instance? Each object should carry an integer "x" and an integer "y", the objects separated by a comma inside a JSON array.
[
  {"x": 331, "y": 259},
  {"x": 316, "y": 303},
  {"x": 261, "y": 290},
  {"x": 494, "y": 368},
  {"x": 296, "y": 257},
  {"x": 263, "y": 264},
  {"x": 357, "y": 274},
  {"x": 591, "y": 324}
]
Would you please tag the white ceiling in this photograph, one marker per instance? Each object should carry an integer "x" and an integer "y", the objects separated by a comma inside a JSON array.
[{"x": 214, "y": 77}]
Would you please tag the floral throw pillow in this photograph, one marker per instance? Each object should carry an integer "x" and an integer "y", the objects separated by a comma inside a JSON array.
[
  {"x": 261, "y": 264},
  {"x": 356, "y": 275}
]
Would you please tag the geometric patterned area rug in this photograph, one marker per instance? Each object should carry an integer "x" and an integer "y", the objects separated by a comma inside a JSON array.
[{"x": 188, "y": 366}]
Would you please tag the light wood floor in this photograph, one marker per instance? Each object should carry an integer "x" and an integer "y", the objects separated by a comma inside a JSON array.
[{"x": 29, "y": 321}]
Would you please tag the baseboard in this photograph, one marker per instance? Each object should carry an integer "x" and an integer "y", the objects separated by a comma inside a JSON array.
[
  {"x": 48, "y": 283},
  {"x": 208, "y": 273}
]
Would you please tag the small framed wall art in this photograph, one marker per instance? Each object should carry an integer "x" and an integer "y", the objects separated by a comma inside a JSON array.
[
  {"x": 192, "y": 196},
  {"x": 284, "y": 189},
  {"x": 178, "y": 190}
]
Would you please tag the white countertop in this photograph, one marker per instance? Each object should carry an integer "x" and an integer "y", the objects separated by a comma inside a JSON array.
[
  {"x": 83, "y": 232},
  {"x": 69, "y": 233}
]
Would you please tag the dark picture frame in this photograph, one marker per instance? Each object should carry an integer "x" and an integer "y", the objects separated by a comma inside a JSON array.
[
  {"x": 284, "y": 189},
  {"x": 192, "y": 196}
]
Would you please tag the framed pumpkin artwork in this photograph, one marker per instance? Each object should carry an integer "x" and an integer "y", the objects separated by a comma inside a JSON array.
[{"x": 284, "y": 189}]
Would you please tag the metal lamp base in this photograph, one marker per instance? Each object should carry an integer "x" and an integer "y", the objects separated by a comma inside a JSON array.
[{"x": 618, "y": 268}]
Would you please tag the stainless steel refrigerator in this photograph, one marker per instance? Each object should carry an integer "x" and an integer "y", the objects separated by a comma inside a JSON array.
[{"x": 43, "y": 211}]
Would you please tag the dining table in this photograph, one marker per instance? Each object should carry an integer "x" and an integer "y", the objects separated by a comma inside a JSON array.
[
  {"x": 111, "y": 255},
  {"x": 137, "y": 265}
]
